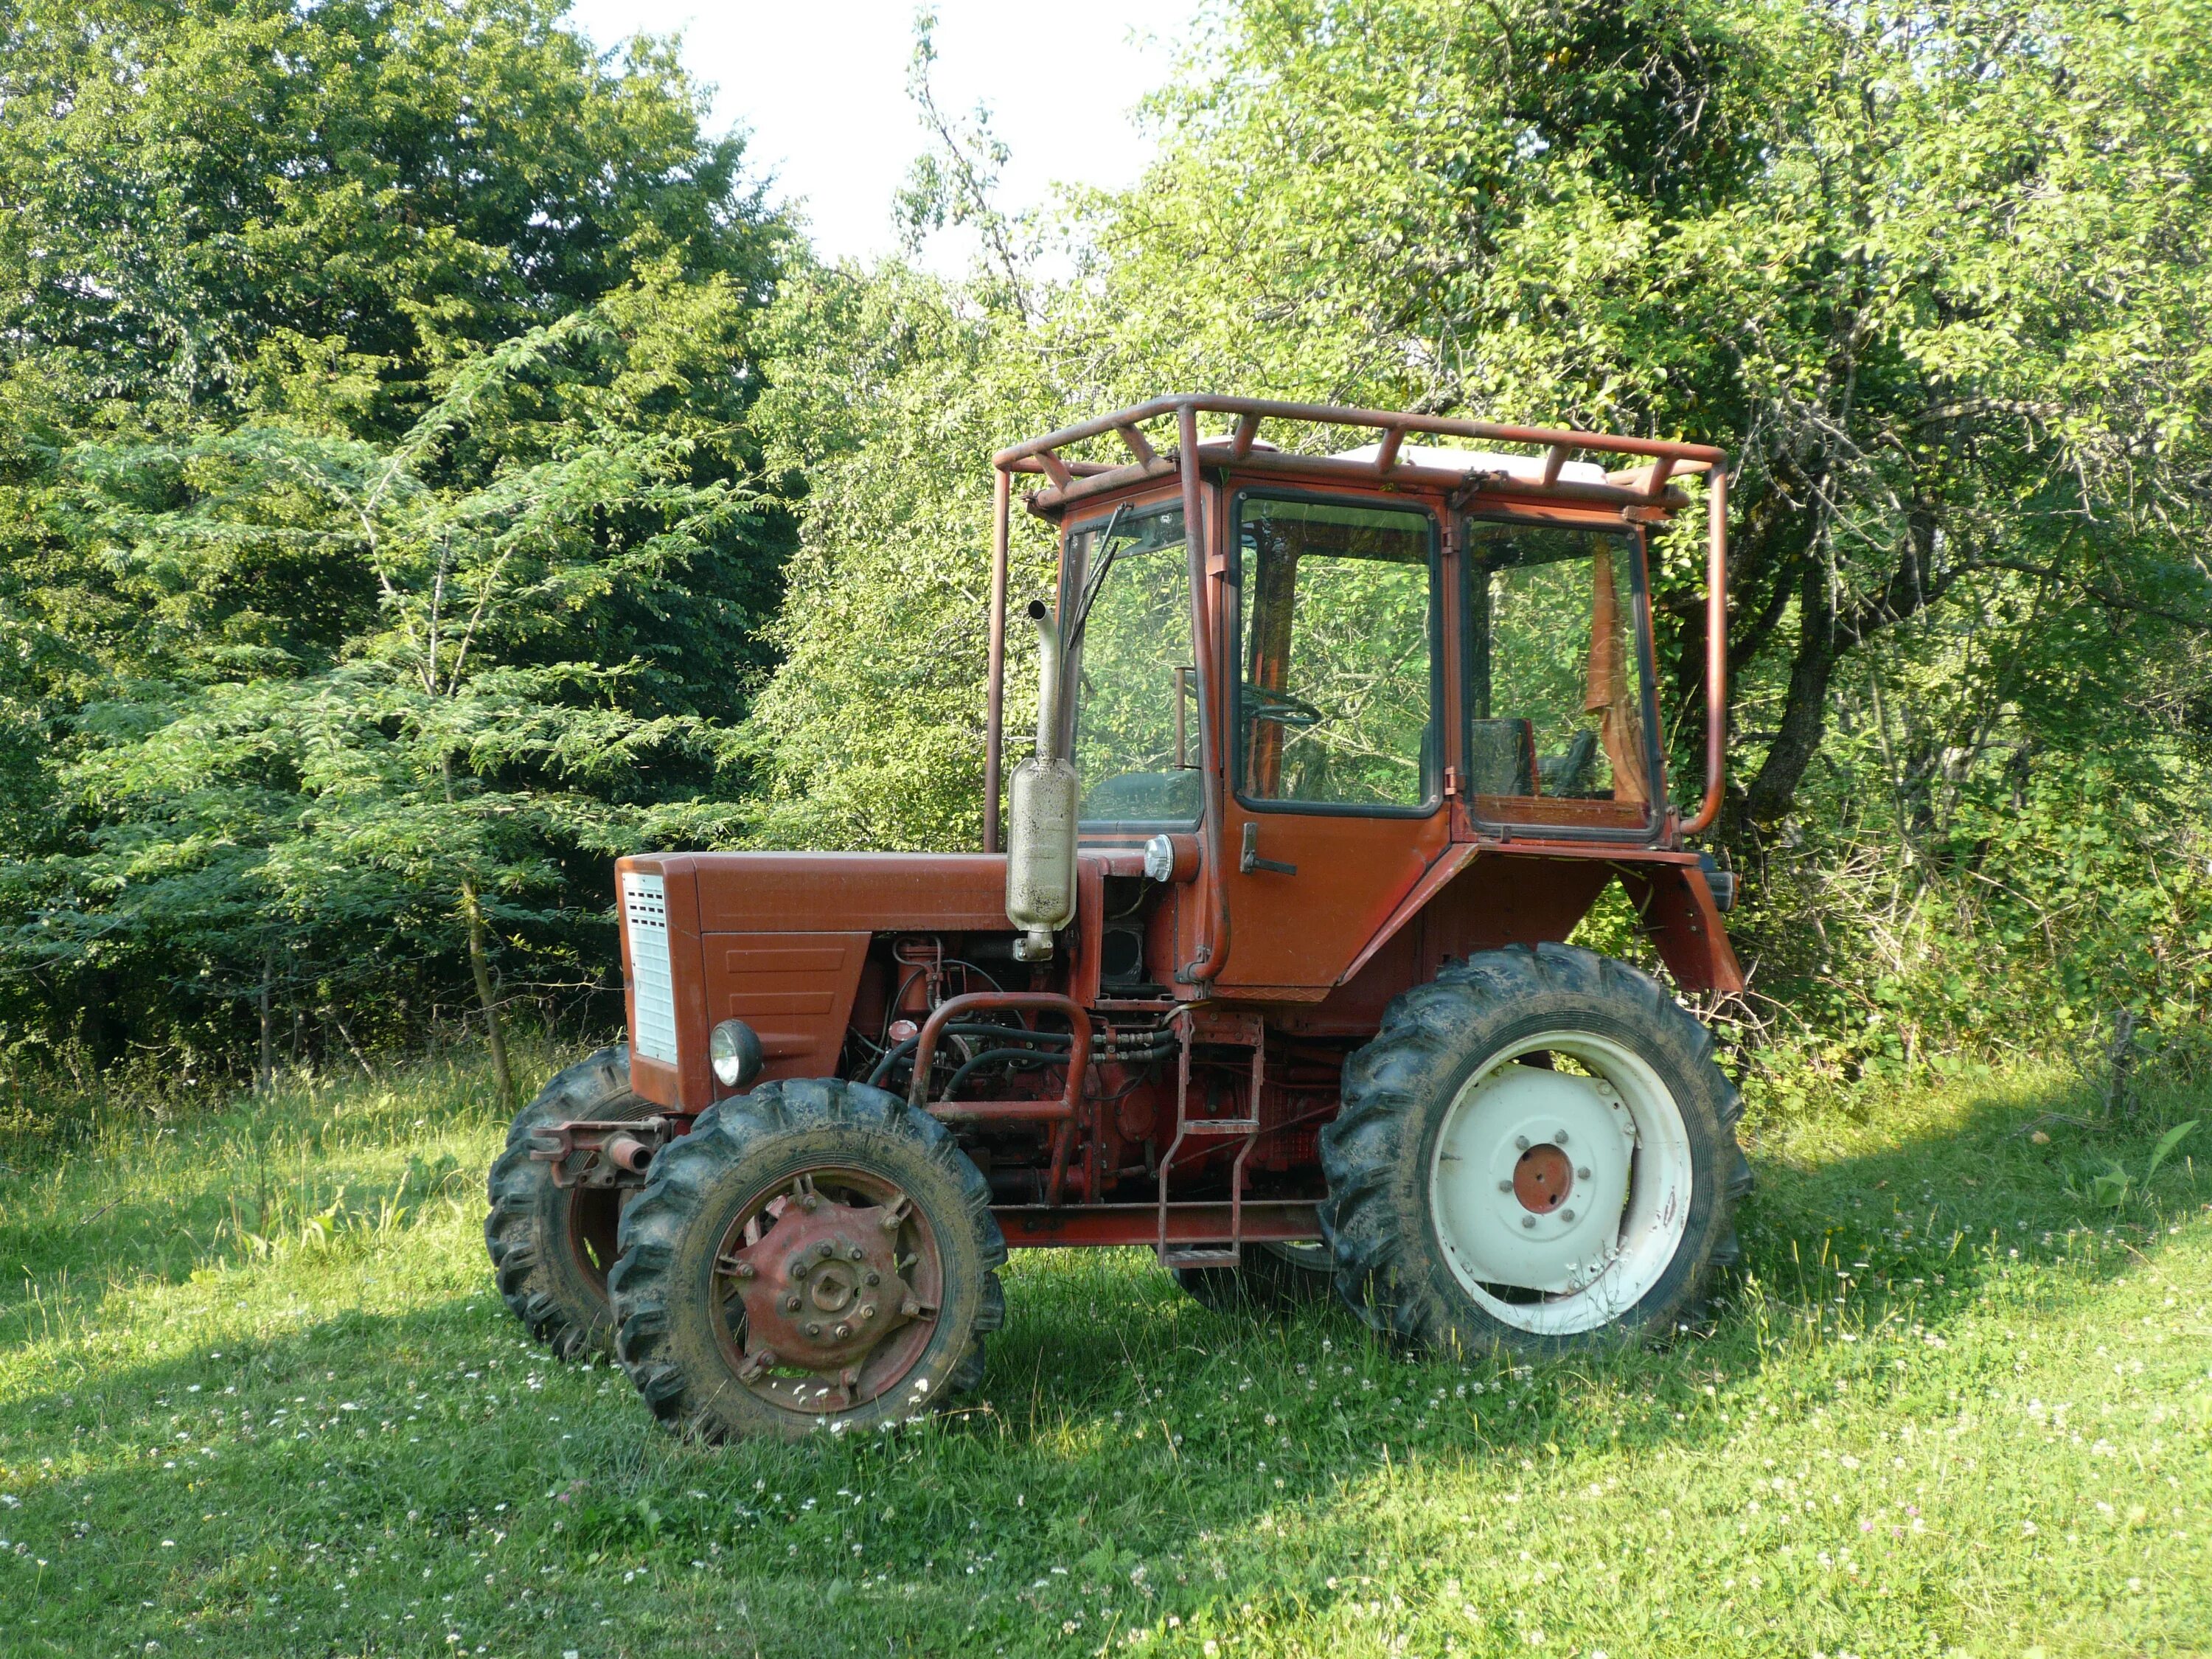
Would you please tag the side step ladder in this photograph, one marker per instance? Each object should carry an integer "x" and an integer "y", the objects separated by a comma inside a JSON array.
[{"x": 1235, "y": 1030}]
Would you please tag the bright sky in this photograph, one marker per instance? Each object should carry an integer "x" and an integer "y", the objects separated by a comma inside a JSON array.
[{"x": 823, "y": 91}]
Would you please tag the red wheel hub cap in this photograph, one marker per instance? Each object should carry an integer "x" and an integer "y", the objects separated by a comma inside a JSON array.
[
  {"x": 821, "y": 1290},
  {"x": 1543, "y": 1177}
]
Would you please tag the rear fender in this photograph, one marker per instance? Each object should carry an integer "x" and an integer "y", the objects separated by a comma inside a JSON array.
[
  {"x": 1476, "y": 898},
  {"x": 1678, "y": 914}
]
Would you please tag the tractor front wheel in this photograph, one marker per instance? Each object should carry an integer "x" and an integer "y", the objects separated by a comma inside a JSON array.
[
  {"x": 551, "y": 1246},
  {"x": 814, "y": 1255},
  {"x": 1536, "y": 1153}
]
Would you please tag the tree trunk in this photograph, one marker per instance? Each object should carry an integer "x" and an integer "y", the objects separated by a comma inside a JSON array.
[
  {"x": 1805, "y": 710},
  {"x": 481, "y": 967},
  {"x": 264, "y": 1072}
]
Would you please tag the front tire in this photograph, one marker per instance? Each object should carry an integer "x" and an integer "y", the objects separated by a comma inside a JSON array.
[
  {"x": 814, "y": 1255},
  {"x": 1537, "y": 1152},
  {"x": 551, "y": 1247}
]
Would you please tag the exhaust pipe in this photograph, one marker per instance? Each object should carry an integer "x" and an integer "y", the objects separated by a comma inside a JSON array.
[
  {"x": 1041, "y": 812},
  {"x": 1052, "y": 679}
]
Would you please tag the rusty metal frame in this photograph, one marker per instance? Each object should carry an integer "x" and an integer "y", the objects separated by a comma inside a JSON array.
[
  {"x": 1260, "y": 1220},
  {"x": 617, "y": 1150},
  {"x": 1640, "y": 493},
  {"x": 1716, "y": 651},
  {"x": 1060, "y": 1113}
]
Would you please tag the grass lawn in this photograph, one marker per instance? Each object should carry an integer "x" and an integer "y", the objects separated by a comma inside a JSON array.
[{"x": 256, "y": 1397}]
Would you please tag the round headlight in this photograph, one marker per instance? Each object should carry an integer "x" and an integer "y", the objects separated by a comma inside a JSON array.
[
  {"x": 1160, "y": 858},
  {"x": 734, "y": 1051}
]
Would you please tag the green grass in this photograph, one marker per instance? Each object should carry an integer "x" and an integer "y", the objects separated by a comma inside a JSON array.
[{"x": 256, "y": 1397}]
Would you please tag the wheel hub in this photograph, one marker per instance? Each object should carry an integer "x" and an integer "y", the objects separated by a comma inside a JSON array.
[
  {"x": 1532, "y": 1170},
  {"x": 1543, "y": 1178},
  {"x": 823, "y": 1287},
  {"x": 820, "y": 1283}
]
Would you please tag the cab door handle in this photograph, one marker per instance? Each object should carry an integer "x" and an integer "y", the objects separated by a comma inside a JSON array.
[{"x": 1252, "y": 860}]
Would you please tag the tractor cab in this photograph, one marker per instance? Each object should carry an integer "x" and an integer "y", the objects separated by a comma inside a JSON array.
[{"x": 1373, "y": 662}]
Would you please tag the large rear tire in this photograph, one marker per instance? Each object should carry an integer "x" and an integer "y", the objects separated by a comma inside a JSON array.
[
  {"x": 1536, "y": 1153},
  {"x": 552, "y": 1247},
  {"x": 814, "y": 1255}
]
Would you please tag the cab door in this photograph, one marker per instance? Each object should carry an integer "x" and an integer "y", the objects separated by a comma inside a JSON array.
[{"x": 1335, "y": 647}]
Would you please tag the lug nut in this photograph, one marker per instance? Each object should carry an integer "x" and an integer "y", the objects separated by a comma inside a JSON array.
[
  {"x": 857, "y": 1254},
  {"x": 844, "y": 1331},
  {"x": 813, "y": 1329},
  {"x": 871, "y": 1277},
  {"x": 1505, "y": 1186},
  {"x": 1560, "y": 1139},
  {"x": 746, "y": 1270},
  {"x": 823, "y": 1250},
  {"x": 1583, "y": 1173},
  {"x": 1527, "y": 1220},
  {"x": 790, "y": 1304},
  {"x": 909, "y": 1307},
  {"x": 868, "y": 1310},
  {"x": 798, "y": 1267},
  {"x": 1566, "y": 1215},
  {"x": 1521, "y": 1143}
]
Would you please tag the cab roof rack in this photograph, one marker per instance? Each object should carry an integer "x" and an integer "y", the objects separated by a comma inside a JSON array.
[{"x": 1553, "y": 474}]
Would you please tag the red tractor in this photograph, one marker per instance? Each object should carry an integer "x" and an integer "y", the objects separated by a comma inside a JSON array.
[{"x": 1334, "y": 750}]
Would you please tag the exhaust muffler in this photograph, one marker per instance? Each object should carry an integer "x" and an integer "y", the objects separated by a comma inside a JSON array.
[{"x": 1041, "y": 812}]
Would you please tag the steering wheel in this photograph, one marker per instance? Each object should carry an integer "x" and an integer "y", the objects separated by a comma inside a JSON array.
[{"x": 1279, "y": 707}]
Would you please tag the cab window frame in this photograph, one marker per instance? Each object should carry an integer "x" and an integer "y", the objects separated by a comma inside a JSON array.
[
  {"x": 1432, "y": 762},
  {"x": 1658, "y": 808},
  {"x": 1067, "y": 586}
]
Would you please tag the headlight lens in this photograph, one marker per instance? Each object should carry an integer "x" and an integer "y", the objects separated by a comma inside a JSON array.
[
  {"x": 1159, "y": 858},
  {"x": 734, "y": 1051}
]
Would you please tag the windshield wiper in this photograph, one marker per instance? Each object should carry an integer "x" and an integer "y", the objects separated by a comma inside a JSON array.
[{"x": 1092, "y": 583}]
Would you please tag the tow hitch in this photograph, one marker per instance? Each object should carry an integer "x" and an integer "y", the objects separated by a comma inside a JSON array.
[{"x": 585, "y": 1152}]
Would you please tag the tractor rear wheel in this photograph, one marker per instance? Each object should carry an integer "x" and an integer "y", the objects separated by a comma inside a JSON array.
[
  {"x": 1537, "y": 1152},
  {"x": 1271, "y": 1279},
  {"x": 551, "y": 1247},
  {"x": 814, "y": 1255}
]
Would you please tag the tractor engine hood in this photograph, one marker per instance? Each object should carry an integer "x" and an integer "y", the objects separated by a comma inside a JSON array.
[{"x": 778, "y": 940}]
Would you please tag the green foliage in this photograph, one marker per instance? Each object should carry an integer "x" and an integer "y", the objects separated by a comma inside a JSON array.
[
  {"x": 890, "y": 393},
  {"x": 1933, "y": 276},
  {"x": 383, "y": 542},
  {"x": 270, "y": 204},
  {"x": 433, "y": 771}
]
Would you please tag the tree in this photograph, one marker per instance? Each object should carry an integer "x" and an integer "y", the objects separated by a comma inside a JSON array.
[
  {"x": 255, "y": 257},
  {"x": 430, "y": 778},
  {"x": 1932, "y": 275}
]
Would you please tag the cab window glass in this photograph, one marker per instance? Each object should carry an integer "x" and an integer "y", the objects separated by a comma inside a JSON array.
[
  {"x": 1336, "y": 698},
  {"x": 1558, "y": 701},
  {"x": 1136, "y": 707}
]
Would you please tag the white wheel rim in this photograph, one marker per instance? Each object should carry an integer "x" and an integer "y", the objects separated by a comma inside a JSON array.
[{"x": 1584, "y": 1256}]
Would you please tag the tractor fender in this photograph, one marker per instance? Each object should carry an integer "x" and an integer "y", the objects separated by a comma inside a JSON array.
[
  {"x": 1668, "y": 888},
  {"x": 1683, "y": 921}
]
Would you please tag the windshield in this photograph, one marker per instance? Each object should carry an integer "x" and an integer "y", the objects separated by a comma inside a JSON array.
[
  {"x": 1127, "y": 590},
  {"x": 1558, "y": 709}
]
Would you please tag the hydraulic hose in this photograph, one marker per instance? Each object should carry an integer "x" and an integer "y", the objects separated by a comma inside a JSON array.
[{"x": 905, "y": 1048}]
